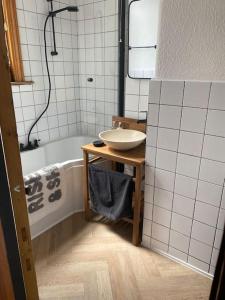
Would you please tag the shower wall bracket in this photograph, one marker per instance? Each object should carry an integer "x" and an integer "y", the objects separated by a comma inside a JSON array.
[{"x": 54, "y": 52}]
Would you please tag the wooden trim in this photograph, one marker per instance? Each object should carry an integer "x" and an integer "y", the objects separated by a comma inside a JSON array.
[
  {"x": 22, "y": 82},
  {"x": 13, "y": 39},
  {"x": 14, "y": 169},
  {"x": 6, "y": 288}
]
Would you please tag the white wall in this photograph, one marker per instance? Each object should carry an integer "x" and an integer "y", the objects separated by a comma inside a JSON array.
[
  {"x": 63, "y": 116},
  {"x": 87, "y": 44},
  {"x": 191, "y": 41},
  {"x": 184, "y": 210}
]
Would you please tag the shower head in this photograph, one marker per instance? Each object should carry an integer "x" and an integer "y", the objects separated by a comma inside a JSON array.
[{"x": 68, "y": 8}]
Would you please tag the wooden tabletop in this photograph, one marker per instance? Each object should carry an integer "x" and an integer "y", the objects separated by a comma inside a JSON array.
[{"x": 134, "y": 156}]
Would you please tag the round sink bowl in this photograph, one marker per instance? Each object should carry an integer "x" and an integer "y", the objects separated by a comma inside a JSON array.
[{"x": 122, "y": 139}]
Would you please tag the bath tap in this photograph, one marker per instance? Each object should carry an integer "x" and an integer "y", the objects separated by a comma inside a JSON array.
[{"x": 29, "y": 146}]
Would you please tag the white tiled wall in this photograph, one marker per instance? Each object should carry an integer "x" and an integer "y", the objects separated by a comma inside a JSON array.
[
  {"x": 63, "y": 116},
  {"x": 185, "y": 168},
  {"x": 87, "y": 44},
  {"x": 98, "y": 59}
]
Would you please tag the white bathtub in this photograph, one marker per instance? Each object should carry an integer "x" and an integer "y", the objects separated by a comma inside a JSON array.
[{"x": 68, "y": 152}]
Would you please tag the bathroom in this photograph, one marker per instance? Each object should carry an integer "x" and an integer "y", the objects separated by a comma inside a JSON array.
[{"x": 158, "y": 63}]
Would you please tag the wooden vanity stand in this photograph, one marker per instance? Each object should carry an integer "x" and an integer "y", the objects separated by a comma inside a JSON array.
[{"x": 134, "y": 157}]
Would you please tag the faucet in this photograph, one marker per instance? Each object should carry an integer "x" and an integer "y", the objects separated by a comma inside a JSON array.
[
  {"x": 29, "y": 146},
  {"x": 116, "y": 125}
]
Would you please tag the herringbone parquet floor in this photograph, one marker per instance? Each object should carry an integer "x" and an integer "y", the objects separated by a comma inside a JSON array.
[{"x": 95, "y": 260}]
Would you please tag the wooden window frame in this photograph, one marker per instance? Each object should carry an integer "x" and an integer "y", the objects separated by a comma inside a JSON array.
[{"x": 13, "y": 42}]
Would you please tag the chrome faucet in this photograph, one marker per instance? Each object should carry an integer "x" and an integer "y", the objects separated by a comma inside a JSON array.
[{"x": 116, "y": 125}]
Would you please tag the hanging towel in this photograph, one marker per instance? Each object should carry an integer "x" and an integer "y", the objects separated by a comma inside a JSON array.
[
  {"x": 46, "y": 191},
  {"x": 110, "y": 193}
]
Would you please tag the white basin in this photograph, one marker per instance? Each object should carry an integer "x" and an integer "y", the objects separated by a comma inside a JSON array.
[{"x": 122, "y": 139}]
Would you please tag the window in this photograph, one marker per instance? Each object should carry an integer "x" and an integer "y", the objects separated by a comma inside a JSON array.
[
  {"x": 143, "y": 30},
  {"x": 13, "y": 41}
]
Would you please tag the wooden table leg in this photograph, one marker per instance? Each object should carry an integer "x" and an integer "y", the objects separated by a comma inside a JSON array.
[
  {"x": 137, "y": 207},
  {"x": 86, "y": 186}
]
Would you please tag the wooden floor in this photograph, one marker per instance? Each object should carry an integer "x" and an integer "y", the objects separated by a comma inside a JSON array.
[{"x": 95, "y": 260}]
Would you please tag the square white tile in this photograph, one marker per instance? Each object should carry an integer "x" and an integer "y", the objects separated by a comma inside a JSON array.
[
  {"x": 149, "y": 193},
  {"x": 196, "y": 94},
  {"x": 181, "y": 224},
  {"x": 209, "y": 193},
  {"x": 183, "y": 205},
  {"x": 214, "y": 148},
  {"x": 147, "y": 226},
  {"x": 188, "y": 165},
  {"x": 200, "y": 251},
  {"x": 166, "y": 160},
  {"x": 185, "y": 186},
  {"x": 193, "y": 119},
  {"x": 212, "y": 171},
  {"x": 150, "y": 156},
  {"x": 153, "y": 114},
  {"x": 160, "y": 233},
  {"x": 149, "y": 175},
  {"x": 190, "y": 143},
  {"x": 178, "y": 254},
  {"x": 217, "y": 96},
  {"x": 203, "y": 233},
  {"x": 172, "y": 92},
  {"x": 179, "y": 241},
  {"x": 154, "y": 91},
  {"x": 221, "y": 220},
  {"x": 206, "y": 213},
  {"x": 169, "y": 116},
  {"x": 161, "y": 216},
  {"x": 163, "y": 198},
  {"x": 164, "y": 179},
  {"x": 198, "y": 264},
  {"x": 168, "y": 139},
  {"x": 148, "y": 211},
  {"x": 215, "y": 123},
  {"x": 151, "y": 139},
  {"x": 157, "y": 245}
]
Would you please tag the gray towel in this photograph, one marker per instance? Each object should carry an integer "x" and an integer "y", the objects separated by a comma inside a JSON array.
[{"x": 110, "y": 193}]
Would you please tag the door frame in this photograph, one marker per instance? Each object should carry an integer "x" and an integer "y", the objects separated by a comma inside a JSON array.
[{"x": 14, "y": 171}]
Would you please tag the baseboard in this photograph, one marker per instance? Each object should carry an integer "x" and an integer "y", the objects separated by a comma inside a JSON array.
[
  {"x": 171, "y": 257},
  {"x": 57, "y": 222}
]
